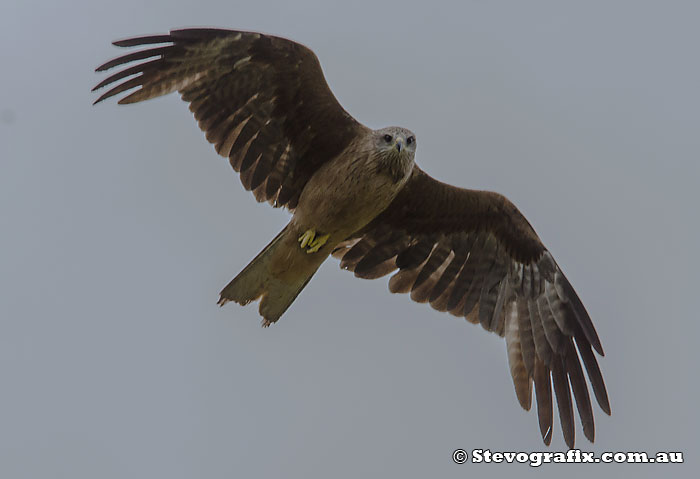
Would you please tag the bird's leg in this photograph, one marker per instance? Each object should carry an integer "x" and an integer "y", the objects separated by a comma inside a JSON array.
[{"x": 311, "y": 242}]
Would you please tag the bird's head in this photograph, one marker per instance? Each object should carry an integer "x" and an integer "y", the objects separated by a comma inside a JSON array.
[{"x": 395, "y": 141}]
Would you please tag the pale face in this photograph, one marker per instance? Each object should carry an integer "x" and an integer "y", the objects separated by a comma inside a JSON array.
[{"x": 396, "y": 140}]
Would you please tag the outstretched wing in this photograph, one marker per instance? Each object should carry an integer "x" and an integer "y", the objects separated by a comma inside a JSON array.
[
  {"x": 262, "y": 100},
  {"x": 473, "y": 254}
]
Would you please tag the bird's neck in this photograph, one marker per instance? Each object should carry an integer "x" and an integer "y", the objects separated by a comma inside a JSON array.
[{"x": 397, "y": 165}]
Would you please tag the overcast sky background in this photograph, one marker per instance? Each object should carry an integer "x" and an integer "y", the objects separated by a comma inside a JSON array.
[{"x": 119, "y": 226}]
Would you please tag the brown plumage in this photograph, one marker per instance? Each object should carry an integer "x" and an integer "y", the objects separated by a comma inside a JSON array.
[{"x": 264, "y": 103}]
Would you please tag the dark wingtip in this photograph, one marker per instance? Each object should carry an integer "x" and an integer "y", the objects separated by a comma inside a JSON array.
[
  {"x": 577, "y": 308},
  {"x": 100, "y": 99},
  {"x": 569, "y": 442},
  {"x": 595, "y": 342},
  {"x": 102, "y": 67},
  {"x": 146, "y": 40},
  {"x": 547, "y": 435}
]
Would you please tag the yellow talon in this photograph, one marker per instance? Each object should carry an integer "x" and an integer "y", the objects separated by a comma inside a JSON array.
[
  {"x": 311, "y": 242},
  {"x": 307, "y": 238},
  {"x": 317, "y": 243}
]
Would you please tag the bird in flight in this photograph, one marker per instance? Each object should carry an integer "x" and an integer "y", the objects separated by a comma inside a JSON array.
[{"x": 357, "y": 194}]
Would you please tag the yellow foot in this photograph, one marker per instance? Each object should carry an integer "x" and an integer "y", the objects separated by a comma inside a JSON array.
[
  {"x": 317, "y": 243},
  {"x": 307, "y": 238},
  {"x": 311, "y": 242}
]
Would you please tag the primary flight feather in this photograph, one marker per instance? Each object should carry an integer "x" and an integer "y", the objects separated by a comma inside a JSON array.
[{"x": 357, "y": 194}]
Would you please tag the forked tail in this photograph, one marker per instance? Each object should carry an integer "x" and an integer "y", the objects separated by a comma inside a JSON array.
[{"x": 276, "y": 276}]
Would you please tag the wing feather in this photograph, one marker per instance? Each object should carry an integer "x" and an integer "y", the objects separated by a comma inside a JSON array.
[
  {"x": 543, "y": 392},
  {"x": 563, "y": 393},
  {"x": 542, "y": 347},
  {"x": 594, "y": 374},
  {"x": 461, "y": 245},
  {"x": 554, "y": 336},
  {"x": 437, "y": 258},
  {"x": 580, "y": 390},
  {"x": 527, "y": 341},
  {"x": 521, "y": 378},
  {"x": 423, "y": 287}
]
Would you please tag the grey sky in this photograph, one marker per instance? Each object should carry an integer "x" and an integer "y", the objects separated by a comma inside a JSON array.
[{"x": 119, "y": 226}]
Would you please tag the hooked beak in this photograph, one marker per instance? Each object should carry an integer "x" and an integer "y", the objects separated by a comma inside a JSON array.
[{"x": 399, "y": 144}]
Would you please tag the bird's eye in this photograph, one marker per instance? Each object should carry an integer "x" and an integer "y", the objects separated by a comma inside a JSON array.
[
  {"x": 410, "y": 140},
  {"x": 387, "y": 138}
]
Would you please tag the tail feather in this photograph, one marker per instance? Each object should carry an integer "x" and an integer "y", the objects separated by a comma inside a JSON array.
[
  {"x": 249, "y": 284},
  {"x": 276, "y": 276}
]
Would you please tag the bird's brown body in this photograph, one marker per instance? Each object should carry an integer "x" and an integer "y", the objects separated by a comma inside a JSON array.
[
  {"x": 341, "y": 204},
  {"x": 331, "y": 204},
  {"x": 356, "y": 193}
]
